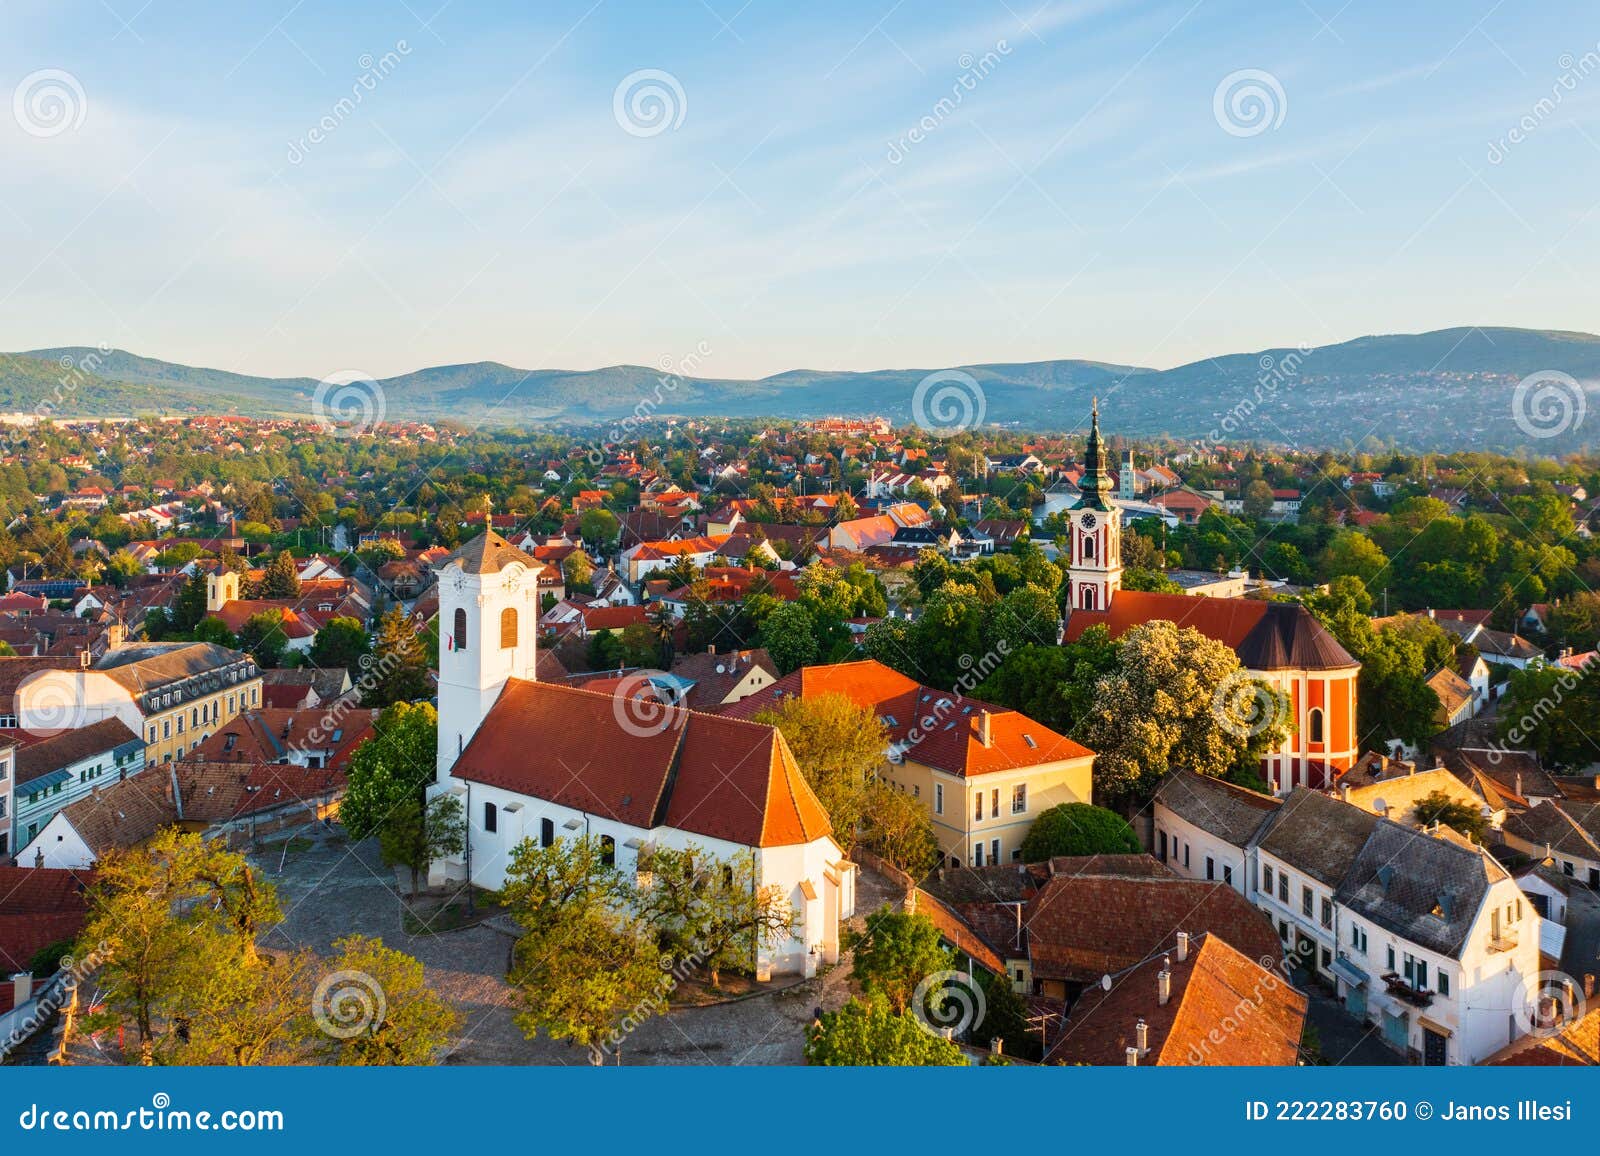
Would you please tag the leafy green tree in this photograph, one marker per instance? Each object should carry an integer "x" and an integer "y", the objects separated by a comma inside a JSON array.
[
  {"x": 1056, "y": 685},
  {"x": 189, "y": 605},
  {"x": 1352, "y": 553},
  {"x": 1005, "y": 1016},
  {"x": 789, "y": 637},
  {"x": 262, "y": 637},
  {"x": 1027, "y": 615},
  {"x": 1176, "y": 698},
  {"x": 214, "y": 630},
  {"x": 281, "y": 578},
  {"x": 392, "y": 769},
  {"x": 588, "y": 975},
  {"x": 416, "y": 1025},
  {"x": 839, "y": 746},
  {"x": 399, "y": 671},
  {"x": 1153, "y": 581},
  {"x": 1551, "y": 710},
  {"x": 1442, "y": 807},
  {"x": 342, "y": 642},
  {"x": 711, "y": 911},
  {"x": 1078, "y": 829},
  {"x": 898, "y": 829},
  {"x": 599, "y": 528},
  {"x": 898, "y": 952},
  {"x": 417, "y": 835},
  {"x": 866, "y": 1033}
]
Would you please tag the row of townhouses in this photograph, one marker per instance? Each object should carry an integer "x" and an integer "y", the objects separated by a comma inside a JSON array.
[{"x": 1420, "y": 932}]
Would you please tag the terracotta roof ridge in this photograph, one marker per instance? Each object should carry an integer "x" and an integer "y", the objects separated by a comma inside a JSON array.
[{"x": 686, "y": 710}]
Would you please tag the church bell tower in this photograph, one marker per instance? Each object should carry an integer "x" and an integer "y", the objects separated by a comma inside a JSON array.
[
  {"x": 488, "y": 632},
  {"x": 1094, "y": 570}
]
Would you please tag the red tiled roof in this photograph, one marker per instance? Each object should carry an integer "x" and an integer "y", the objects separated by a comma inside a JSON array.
[
  {"x": 713, "y": 776},
  {"x": 1224, "y": 1008},
  {"x": 39, "y": 906},
  {"x": 1083, "y": 927},
  {"x": 1266, "y": 635},
  {"x": 945, "y": 725}
]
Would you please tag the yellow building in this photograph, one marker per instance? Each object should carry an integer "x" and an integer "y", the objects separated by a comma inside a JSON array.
[
  {"x": 174, "y": 694},
  {"x": 984, "y": 772}
]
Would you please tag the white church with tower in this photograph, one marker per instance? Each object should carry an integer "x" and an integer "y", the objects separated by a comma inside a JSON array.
[{"x": 545, "y": 761}]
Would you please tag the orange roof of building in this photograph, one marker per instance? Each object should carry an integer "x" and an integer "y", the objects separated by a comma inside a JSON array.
[
  {"x": 933, "y": 727},
  {"x": 718, "y": 777},
  {"x": 1223, "y": 1008},
  {"x": 1266, "y": 635}
]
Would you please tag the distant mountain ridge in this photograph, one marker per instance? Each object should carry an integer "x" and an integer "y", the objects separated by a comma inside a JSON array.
[{"x": 1451, "y": 388}]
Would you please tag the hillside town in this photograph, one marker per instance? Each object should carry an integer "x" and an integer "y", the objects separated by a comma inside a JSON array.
[{"x": 829, "y": 741}]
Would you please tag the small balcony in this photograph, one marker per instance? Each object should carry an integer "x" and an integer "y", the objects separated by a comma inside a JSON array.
[
  {"x": 1503, "y": 940},
  {"x": 1402, "y": 990}
]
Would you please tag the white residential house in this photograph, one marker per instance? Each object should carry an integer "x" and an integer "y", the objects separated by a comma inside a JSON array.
[
  {"x": 64, "y": 768},
  {"x": 531, "y": 760},
  {"x": 1439, "y": 948},
  {"x": 1564, "y": 832},
  {"x": 1303, "y": 853},
  {"x": 1203, "y": 826}
]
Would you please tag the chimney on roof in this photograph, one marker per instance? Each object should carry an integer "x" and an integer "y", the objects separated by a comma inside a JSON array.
[
  {"x": 1133, "y": 1056},
  {"x": 85, "y": 659},
  {"x": 985, "y": 730},
  {"x": 1141, "y": 1034},
  {"x": 1344, "y": 791},
  {"x": 997, "y": 1046},
  {"x": 1519, "y": 782},
  {"x": 1183, "y": 946},
  {"x": 21, "y": 988},
  {"x": 1164, "y": 983},
  {"x": 711, "y": 648}
]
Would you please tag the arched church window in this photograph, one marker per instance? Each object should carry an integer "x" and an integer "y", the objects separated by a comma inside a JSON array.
[
  {"x": 1088, "y": 549},
  {"x": 459, "y": 634},
  {"x": 1087, "y": 599},
  {"x": 1314, "y": 725},
  {"x": 508, "y": 628},
  {"x": 608, "y": 851}
]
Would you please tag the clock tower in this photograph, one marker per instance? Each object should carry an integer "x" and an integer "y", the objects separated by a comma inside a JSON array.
[
  {"x": 488, "y": 627},
  {"x": 1094, "y": 568}
]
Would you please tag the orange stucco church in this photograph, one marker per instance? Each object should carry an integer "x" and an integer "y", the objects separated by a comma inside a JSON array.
[{"x": 1280, "y": 643}]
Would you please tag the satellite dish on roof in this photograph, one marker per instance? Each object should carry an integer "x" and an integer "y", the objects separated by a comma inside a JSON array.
[
  {"x": 721, "y": 669},
  {"x": 1380, "y": 806},
  {"x": 1105, "y": 982}
]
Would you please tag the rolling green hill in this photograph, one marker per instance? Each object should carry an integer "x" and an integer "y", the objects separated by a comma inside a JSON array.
[{"x": 1449, "y": 388}]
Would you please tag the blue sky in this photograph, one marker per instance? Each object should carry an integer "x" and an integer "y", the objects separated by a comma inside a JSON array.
[{"x": 1083, "y": 198}]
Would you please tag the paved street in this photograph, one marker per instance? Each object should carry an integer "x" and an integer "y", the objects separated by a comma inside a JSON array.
[{"x": 330, "y": 890}]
